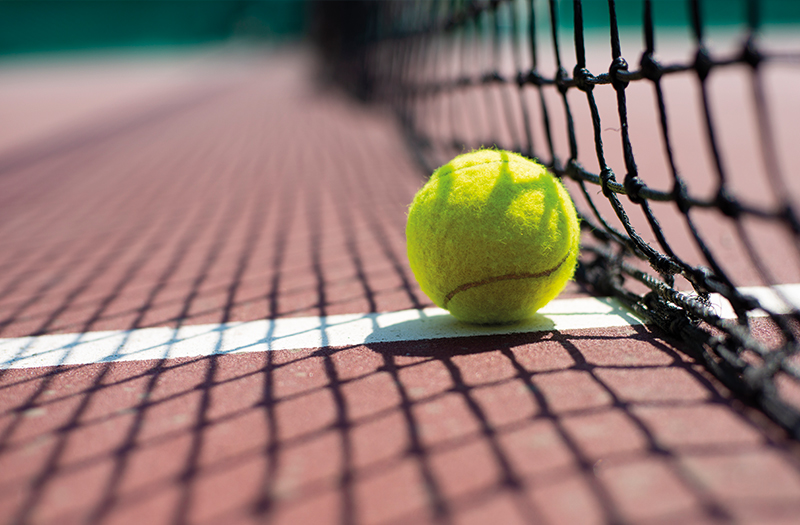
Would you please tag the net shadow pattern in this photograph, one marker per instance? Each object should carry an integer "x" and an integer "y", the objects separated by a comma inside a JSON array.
[
  {"x": 387, "y": 433},
  {"x": 174, "y": 211},
  {"x": 469, "y": 74}
]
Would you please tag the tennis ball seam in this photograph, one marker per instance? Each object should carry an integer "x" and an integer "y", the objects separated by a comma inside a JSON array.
[{"x": 506, "y": 277}]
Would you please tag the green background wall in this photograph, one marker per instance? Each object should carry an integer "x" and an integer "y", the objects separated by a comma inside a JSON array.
[{"x": 47, "y": 25}]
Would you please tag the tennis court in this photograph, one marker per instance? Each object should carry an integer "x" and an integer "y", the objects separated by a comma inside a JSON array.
[{"x": 207, "y": 314}]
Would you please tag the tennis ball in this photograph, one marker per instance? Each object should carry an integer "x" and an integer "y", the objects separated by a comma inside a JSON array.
[{"x": 492, "y": 237}]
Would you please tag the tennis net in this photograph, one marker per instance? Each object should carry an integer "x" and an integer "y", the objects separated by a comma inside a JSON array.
[{"x": 644, "y": 144}]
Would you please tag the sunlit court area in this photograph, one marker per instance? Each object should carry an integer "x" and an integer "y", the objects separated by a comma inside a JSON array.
[{"x": 218, "y": 304}]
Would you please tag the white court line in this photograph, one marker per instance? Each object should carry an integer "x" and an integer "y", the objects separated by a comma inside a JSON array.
[{"x": 315, "y": 332}]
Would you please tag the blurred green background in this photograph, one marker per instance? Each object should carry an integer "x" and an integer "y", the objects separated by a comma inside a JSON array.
[
  {"x": 35, "y": 26},
  {"x": 32, "y": 26},
  {"x": 676, "y": 13}
]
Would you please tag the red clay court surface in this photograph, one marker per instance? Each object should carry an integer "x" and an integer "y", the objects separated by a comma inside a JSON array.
[{"x": 214, "y": 188}]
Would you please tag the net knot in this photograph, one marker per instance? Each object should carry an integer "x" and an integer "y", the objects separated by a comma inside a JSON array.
[
  {"x": 651, "y": 69},
  {"x": 678, "y": 323},
  {"x": 607, "y": 175},
  {"x": 535, "y": 78},
  {"x": 584, "y": 80},
  {"x": 751, "y": 55},
  {"x": 727, "y": 204},
  {"x": 633, "y": 187},
  {"x": 562, "y": 79},
  {"x": 703, "y": 63},
  {"x": 790, "y": 217},
  {"x": 665, "y": 266},
  {"x": 492, "y": 76},
  {"x": 619, "y": 64},
  {"x": 681, "y": 196},
  {"x": 700, "y": 277}
]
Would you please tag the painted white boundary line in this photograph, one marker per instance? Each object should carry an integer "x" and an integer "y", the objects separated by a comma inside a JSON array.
[
  {"x": 314, "y": 332},
  {"x": 292, "y": 333}
]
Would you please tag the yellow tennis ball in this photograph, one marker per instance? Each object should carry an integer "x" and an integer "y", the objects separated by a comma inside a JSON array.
[{"x": 492, "y": 237}]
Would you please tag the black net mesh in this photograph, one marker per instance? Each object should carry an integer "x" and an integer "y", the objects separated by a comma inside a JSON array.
[{"x": 659, "y": 217}]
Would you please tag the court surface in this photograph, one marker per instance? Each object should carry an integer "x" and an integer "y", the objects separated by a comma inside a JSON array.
[{"x": 207, "y": 316}]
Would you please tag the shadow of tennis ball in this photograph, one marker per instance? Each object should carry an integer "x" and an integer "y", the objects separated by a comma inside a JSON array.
[{"x": 440, "y": 334}]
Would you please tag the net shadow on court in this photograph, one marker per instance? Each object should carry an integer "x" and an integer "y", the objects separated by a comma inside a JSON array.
[
  {"x": 393, "y": 432},
  {"x": 178, "y": 224}
]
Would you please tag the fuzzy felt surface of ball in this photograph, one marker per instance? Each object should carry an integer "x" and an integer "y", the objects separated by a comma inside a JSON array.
[{"x": 492, "y": 237}]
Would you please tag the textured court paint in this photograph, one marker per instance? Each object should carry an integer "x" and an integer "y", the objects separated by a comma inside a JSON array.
[{"x": 320, "y": 332}]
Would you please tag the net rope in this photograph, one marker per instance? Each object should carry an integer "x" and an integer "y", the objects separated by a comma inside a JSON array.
[{"x": 425, "y": 57}]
